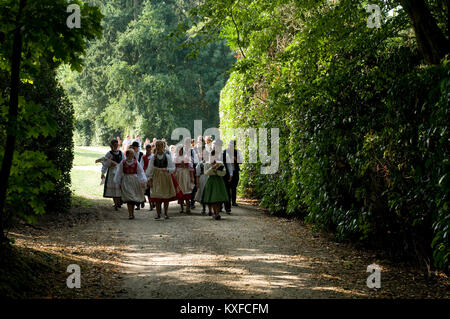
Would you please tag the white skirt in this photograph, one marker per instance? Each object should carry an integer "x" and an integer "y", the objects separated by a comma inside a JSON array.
[
  {"x": 132, "y": 191},
  {"x": 183, "y": 177}
]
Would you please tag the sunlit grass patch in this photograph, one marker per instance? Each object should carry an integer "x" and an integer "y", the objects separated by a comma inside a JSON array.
[
  {"x": 86, "y": 183},
  {"x": 85, "y": 157}
]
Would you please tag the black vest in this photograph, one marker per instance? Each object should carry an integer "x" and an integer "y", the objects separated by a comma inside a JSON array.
[
  {"x": 116, "y": 158},
  {"x": 161, "y": 163}
]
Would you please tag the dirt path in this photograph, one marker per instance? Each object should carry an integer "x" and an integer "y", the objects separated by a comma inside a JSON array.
[{"x": 245, "y": 255}]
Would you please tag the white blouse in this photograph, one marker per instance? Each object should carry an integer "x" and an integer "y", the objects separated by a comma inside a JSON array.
[
  {"x": 210, "y": 171},
  {"x": 107, "y": 164},
  {"x": 119, "y": 173}
]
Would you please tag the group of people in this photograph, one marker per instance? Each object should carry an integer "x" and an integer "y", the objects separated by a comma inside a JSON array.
[{"x": 194, "y": 171}]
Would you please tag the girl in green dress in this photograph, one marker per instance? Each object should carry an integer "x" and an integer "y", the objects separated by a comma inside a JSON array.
[{"x": 215, "y": 191}]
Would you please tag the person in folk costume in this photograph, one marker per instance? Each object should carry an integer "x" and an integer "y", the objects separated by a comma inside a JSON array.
[
  {"x": 200, "y": 147},
  {"x": 236, "y": 158},
  {"x": 147, "y": 142},
  {"x": 214, "y": 192},
  {"x": 172, "y": 150},
  {"x": 163, "y": 186},
  {"x": 184, "y": 174},
  {"x": 201, "y": 179},
  {"x": 195, "y": 160},
  {"x": 227, "y": 157},
  {"x": 145, "y": 161},
  {"x": 139, "y": 141},
  {"x": 131, "y": 177},
  {"x": 126, "y": 143},
  {"x": 221, "y": 157},
  {"x": 208, "y": 145},
  {"x": 110, "y": 162},
  {"x": 138, "y": 155}
]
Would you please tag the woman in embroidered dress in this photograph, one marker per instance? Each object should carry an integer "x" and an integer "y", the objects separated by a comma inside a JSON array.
[
  {"x": 161, "y": 181},
  {"x": 214, "y": 192},
  {"x": 184, "y": 174},
  {"x": 110, "y": 162},
  {"x": 131, "y": 178},
  {"x": 145, "y": 161},
  {"x": 201, "y": 180}
]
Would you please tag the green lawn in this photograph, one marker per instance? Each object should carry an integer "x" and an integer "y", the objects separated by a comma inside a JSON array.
[
  {"x": 86, "y": 157},
  {"x": 86, "y": 183}
]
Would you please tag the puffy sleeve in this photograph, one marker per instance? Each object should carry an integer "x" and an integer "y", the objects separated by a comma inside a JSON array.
[
  {"x": 209, "y": 170},
  {"x": 106, "y": 163},
  {"x": 223, "y": 172},
  {"x": 141, "y": 174},
  {"x": 119, "y": 173},
  {"x": 151, "y": 167},
  {"x": 170, "y": 164}
]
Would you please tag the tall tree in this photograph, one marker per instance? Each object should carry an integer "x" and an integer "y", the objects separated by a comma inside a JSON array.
[
  {"x": 431, "y": 40},
  {"x": 39, "y": 30}
]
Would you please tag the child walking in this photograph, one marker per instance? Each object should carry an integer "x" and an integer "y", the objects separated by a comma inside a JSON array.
[
  {"x": 184, "y": 174},
  {"x": 131, "y": 178},
  {"x": 145, "y": 161},
  {"x": 214, "y": 192}
]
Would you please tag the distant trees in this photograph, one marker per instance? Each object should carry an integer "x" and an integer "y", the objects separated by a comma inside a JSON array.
[{"x": 139, "y": 79}]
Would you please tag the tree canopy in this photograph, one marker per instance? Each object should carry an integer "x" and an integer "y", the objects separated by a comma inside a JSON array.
[{"x": 140, "y": 80}]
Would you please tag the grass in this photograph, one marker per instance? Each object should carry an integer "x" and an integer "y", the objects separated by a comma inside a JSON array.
[
  {"x": 86, "y": 183},
  {"x": 85, "y": 157}
]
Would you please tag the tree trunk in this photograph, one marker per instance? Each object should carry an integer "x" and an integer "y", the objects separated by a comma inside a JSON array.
[
  {"x": 431, "y": 41},
  {"x": 11, "y": 128}
]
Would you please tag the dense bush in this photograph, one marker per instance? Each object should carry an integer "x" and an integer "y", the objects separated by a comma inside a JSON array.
[
  {"x": 364, "y": 140},
  {"x": 40, "y": 175}
]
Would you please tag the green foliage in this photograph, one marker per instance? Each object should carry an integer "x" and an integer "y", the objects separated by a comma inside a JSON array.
[
  {"x": 40, "y": 173},
  {"x": 139, "y": 80},
  {"x": 364, "y": 141}
]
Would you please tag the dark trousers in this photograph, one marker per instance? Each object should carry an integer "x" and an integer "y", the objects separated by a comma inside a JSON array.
[
  {"x": 233, "y": 187},
  {"x": 194, "y": 191}
]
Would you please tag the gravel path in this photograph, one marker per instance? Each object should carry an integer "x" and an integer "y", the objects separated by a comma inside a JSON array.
[{"x": 248, "y": 254}]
